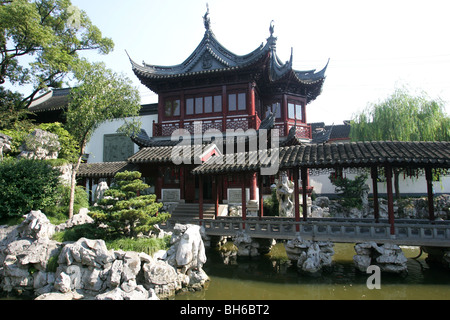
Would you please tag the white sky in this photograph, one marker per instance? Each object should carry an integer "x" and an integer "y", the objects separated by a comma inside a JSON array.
[{"x": 373, "y": 46}]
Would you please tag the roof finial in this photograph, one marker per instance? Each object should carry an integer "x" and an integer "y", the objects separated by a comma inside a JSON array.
[
  {"x": 206, "y": 19},
  {"x": 272, "y": 28}
]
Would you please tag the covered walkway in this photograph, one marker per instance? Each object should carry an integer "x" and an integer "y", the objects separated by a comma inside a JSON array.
[{"x": 381, "y": 157}]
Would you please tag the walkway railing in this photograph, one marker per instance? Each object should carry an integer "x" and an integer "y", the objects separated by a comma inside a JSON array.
[{"x": 408, "y": 232}]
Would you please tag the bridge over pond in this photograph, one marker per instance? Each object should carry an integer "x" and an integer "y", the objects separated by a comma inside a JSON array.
[{"x": 411, "y": 232}]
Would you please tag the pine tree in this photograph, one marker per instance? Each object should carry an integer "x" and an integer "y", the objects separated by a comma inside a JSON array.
[{"x": 124, "y": 211}]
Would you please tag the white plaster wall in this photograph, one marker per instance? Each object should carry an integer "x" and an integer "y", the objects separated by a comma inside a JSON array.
[
  {"x": 95, "y": 146},
  {"x": 322, "y": 185}
]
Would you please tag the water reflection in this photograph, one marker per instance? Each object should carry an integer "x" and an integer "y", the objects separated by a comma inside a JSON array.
[{"x": 273, "y": 277}]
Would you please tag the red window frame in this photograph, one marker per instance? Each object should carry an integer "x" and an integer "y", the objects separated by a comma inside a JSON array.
[
  {"x": 199, "y": 103},
  {"x": 171, "y": 101},
  {"x": 235, "y": 98}
]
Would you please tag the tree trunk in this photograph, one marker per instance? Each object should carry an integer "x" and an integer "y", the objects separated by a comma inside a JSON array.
[{"x": 73, "y": 185}]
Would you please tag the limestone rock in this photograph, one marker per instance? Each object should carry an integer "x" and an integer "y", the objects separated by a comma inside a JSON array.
[
  {"x": 87, "y": 267},
  {"x": 310, "y": 256},
  {"x": 131, "y": 266},
  {"x": 40, "y": 145},
  {"x": 63, "y": 283},
  {"x": 389, "y": 257},
  {"x": 285, "y": 195},
  {"x": 36, "y": 226},
  {"x": 39, "y": 253},
  {"x": 5, "y": 144},
  {"x": 191, "y": 251},
  {"x": 162, "y": 278},
  {"x": 247, "y": 247}
]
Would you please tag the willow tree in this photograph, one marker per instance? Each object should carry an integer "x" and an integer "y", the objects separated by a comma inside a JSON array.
[
  {"x": 101, "y": 95},
  {"x": 402, "y": 117}
]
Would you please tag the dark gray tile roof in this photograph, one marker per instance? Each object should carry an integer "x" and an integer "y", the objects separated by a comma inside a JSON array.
[
  {"x": 104, "y": 169},
  {"x": 211, "y": 57},
  {"x": 354, "y": 154},
  {"x": 163, "y": 154},
  {"x": 55, "y": 99}
]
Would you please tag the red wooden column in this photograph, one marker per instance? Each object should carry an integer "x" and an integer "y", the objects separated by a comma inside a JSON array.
[
  {"x": 182, "y": 110},
  {"x": 251, "y": 100},
  {"x": 216, "y": 195},
  {"x": 261, "y": 199},
  {"x": 304, "y": 173},
  {"x": 390, "y": 196},
  {"x": 284, "y": 115},
  {"x": 244, "y": 202},
  {"x": 182, "y": 172},
  {"x": 376, "y": 206},
  {"x": 159, "y": 183},
  {"x": 253, "y": 186},
  {"x": 296, "y": 199},
  {"x": 429, "y": 177},
  {"x": 200, "y": 198}
]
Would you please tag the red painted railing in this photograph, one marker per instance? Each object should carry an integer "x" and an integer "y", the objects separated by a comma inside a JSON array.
[
  {"x": 303, "y": 130},
  {"x": 193, "y": 126}
]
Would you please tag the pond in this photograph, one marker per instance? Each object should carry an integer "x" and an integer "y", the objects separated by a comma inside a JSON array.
[{"x": 273, "y": 277}]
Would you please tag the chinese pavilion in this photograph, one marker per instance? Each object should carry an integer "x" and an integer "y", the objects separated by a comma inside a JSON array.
[{"x": 217, "y": 89}]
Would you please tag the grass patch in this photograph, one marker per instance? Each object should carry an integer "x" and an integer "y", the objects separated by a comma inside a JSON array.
[
  {"x": 89, "y": 231},
  {"x": 146, "y": 245},
  {"x": 149, "y": 246}
]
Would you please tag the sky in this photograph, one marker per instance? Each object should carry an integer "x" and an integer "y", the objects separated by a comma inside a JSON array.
[{"x": 373, "y": 46}]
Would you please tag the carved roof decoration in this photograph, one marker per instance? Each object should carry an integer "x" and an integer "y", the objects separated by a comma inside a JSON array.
[{"x": 211, "y": 57}]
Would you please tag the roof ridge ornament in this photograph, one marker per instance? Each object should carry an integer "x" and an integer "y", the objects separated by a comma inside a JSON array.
[
  {"x": 206, "y": 19},
  {"x": 272, "y": 40},
  {"x": 272, "y": 28}
]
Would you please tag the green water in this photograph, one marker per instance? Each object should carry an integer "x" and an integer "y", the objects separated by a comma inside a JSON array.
[{"x": 272, "y": 277}]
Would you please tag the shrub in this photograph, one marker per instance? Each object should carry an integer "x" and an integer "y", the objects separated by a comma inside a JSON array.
[
  {"x": 350, "y": 191},
  {"x": 68, "y": 146},
  {"x": 59, "y": 211},
  {"x": 271, "y": 205},
  {"x": 124, "y": 212},
  {"x": 26, "y": 185}
]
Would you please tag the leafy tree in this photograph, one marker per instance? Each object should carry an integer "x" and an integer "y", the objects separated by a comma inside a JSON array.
[
  {"x": 40, "y": 41},
  {"x": 124, "y": 212},
  {"x": 402, "y": 117},
  {"x": 11, "y": 110},
  {"x": 101, "y": 96}
]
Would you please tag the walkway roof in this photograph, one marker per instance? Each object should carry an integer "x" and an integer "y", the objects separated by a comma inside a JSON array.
[{"x": 352, "y": 154}]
